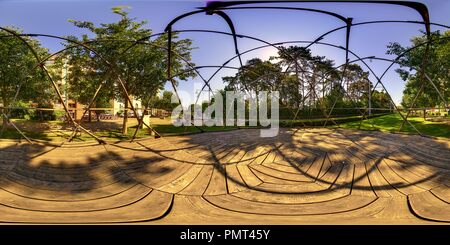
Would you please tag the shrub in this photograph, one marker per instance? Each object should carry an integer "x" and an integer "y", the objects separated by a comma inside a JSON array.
[
  {"x": 44, "y": 115},
  {"x": 22, "y": 111},
  {"x": 59, "y": 115}
]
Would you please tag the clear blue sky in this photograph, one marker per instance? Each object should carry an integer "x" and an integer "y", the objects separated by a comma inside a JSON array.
[{"x": 50, "y": 17}]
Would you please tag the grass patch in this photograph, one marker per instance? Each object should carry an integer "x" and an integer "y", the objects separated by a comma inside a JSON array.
[
  {"x": 111, "y": 131},
  {"x": 321, "y": 121},
  {"x": 392, "y": 122},
  {"x": 41, "y": 131}
]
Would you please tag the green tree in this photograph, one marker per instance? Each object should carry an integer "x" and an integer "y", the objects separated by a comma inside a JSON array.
[
  {"x": 304, "y": 81},
  {"x": 380, "y": 99},
  {"x": 256, "y": 75},
  {"x": 437, "y": 69},
  {"x": 141, "y": 68},
  {"x": 163, "y": 102},
  {"x": 20, "y": 78},
  {"x": 310, "y": 76},
  {"x": 295, "y": 60},
  {"x": 357, "y": 84}
]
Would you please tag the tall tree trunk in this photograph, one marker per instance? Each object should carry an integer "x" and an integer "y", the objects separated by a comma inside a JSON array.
[
  {"x": 257, "y": 107},
  {"x": 424, "y": 114},
  {"x": 303, "y": 94},
  {"x": 314, "y": 84},
  {"x": 323, "y": 89},
  {"x": 4, "y": 120},
  {"x": 297, "y": 87},
  {"x": 125, "y": 117},
  {"x": 4, "y": 125}
]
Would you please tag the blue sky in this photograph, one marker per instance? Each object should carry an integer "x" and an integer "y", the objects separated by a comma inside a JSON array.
[{"x": 50, "y": 17}]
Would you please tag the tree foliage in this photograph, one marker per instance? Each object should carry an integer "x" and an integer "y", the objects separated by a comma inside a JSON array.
[
  {"x": 21, "y": 79},
  {"x": 122, "y": 51},
  {"x": 163, "y": 102},
  {"x": 437, "y": 67},
  {"x": 307, "y": 81}
]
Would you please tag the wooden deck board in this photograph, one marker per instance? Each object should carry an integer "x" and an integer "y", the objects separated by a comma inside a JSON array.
[{"x": 315, "y": 175}]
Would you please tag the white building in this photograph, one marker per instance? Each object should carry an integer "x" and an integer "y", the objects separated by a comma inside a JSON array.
[{"x": 120, "y": 106}]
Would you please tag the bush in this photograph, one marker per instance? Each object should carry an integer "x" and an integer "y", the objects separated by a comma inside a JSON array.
[
  {"x": 289, "y": 113},
  {"x": 22, "y": 111},
  {"x": 44, "y": 115},
  {"x": 59, "y": 115},
  {"x": 321, "y": 121},
  {"x": 103, "y": 104}
]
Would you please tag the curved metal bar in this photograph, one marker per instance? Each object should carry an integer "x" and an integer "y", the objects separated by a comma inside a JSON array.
[
  {"x": 134, "y": 43},
  {"x": 244, "y": 36},
  {"x": 168, "y": 29},
  {"x": 317, "y": 40},
  {"x": 407, "y": 51},
  {"x": 288, "y": 8},
  {"x": 171, "y": 79},
  {"x": 380, "y": 82},
  {"x": 419, "y": 7},
  {"x": 233, "y": 31},
  {"x": 321, "y": 36},
  {"x": 379, "y": 79},
  {"x": 83, "y": 44},
  {"x": 266, "y": 45},
  {"x": 348, "y": 22},
  {"x": 347, "y": 36},
  {"x": 428, "y": 78},
  {"x": 230, "y": 24},
  {"x": 172, "y": 22},
  {"x": 400, "y": 21},
  {"x": 52, "y": 81},
  {"x": 40, "y": 63}
]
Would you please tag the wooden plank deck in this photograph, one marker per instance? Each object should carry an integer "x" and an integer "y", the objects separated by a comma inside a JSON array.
[{"x": 302, "y": 176}]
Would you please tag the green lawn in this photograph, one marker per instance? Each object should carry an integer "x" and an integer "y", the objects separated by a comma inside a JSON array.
[
  {"x": 392, "y": 122},
  {"x": 389, "y": 123},
  {"x": 36, "y": 130}
]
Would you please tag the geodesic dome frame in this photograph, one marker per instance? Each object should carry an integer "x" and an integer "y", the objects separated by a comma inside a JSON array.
[{"x": 218, "y": 8}]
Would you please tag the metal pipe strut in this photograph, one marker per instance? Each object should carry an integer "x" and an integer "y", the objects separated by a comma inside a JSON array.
[{"x": 221, "y": 8}]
